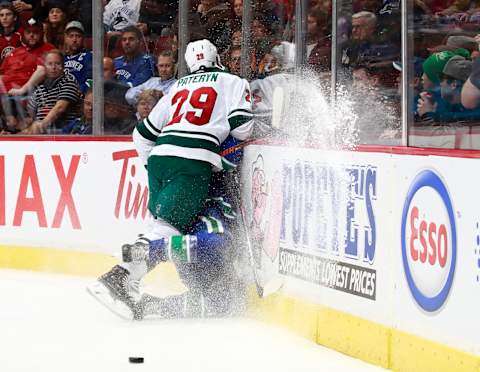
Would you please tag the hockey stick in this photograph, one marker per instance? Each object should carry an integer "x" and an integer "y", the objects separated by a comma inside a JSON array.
[{"x": 250, "y": 253}]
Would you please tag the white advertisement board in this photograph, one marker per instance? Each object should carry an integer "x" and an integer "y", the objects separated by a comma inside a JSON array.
[
  {"x": 437, "y": 255},
  {"x": 394, "y": 239},
  {"x": 89, "y": 195},
  {"x": 317, "y": 220},
  {"x": 391, "y": 238}
]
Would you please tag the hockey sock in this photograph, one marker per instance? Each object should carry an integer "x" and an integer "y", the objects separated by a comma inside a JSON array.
[{"x": 200, "y": 247}]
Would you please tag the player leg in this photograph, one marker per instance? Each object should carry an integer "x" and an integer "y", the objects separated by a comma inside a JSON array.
[
  {"x": 178, "y": 190},
  {"x": 214, "y": 287}
]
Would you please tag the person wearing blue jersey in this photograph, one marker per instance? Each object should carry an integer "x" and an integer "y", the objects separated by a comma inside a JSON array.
[
  {"x": 78, "y": 60},
  {"x": 134, "y": 67},
  {"x": 204, "y": 259}
]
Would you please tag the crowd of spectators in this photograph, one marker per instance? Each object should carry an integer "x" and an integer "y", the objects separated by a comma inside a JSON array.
[{"x": 141, "y": 55}]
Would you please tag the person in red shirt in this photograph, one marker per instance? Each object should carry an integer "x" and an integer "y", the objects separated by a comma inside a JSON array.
[
  {"x": 22, "y": 69},
  {"x": 10, "y": 33}
]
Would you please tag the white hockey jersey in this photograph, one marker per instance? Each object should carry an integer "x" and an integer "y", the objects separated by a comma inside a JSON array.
[
  {"x": 262, "y": 91},
  {"x": 119, "y": 14},
  {"x": 196, "y": 116}
]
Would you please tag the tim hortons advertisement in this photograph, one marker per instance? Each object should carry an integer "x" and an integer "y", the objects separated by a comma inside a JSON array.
[
  {"x": 312, "y": 220},
  {"x": 84, "y": 195}
]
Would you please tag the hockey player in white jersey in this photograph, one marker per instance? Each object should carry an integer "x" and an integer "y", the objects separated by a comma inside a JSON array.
[
  {"x": 179, "y": 142},
  {"x": 274, "y": 89}
]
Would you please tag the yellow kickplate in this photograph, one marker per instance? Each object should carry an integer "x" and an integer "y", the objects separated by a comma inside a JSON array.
[{"x": 371, "y": 342}]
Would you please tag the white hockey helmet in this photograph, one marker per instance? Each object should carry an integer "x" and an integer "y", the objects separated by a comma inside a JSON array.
[
  {"x": 284, "y": 54},
  {"x": 202, "y": 53}
]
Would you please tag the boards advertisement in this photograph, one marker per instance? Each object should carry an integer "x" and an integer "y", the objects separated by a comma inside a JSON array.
[
  {"x": 71, "y": 195},
  {"x": 391, "y": 238}
]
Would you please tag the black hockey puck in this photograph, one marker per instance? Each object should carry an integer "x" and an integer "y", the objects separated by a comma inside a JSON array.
[{"x": 136, "y": 360}]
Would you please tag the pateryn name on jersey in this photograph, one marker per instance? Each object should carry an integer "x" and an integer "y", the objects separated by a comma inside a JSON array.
[{"x": 200, "y": 78}]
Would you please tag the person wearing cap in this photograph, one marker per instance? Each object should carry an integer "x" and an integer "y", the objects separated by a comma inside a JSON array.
[
  {"x": 471, "y": 88},
  {"x": 133, "y": 67},
  {"x": 434, "y": 64},
  {"x": 23, "y": 69},
  {"x": 454, "y": 74},
  {"x": 78, "y": 60},
  {"x": 10, "y": 33}
]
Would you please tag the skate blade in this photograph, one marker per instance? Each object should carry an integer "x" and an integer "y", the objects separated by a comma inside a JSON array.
[{"x": 101, "y": 293}]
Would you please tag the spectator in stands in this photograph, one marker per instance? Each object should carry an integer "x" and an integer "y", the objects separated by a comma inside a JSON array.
[
  {"x": 454, "y": 74},
  {"x": 233, "y": 60},
  {"x": 471, "y": 88},
  {"x": 433, "y": 67},
  {"x": 146, "y": 102},
  {"x": 235, "y": 21},
  {"x": 215, "y": 16},
  {"x": 55, "y": 24},
  {"x": 324, "y": 6},
  {"x": 376, "y": 104},
  {"x": 78, "y": 61},
  {"x": 10, "y": 34},
  {"x": 157, "y": 16},
  {"x": 56, "y": 101},
  {"x": 110, "y": 79},
  {"x": 133, "y": 67},
  {"x": 363, "y": 45},
  {"x": 119, "y": 117},
  {"x": 464, "y": 7},
  {"x": 162, "y": 83},
  {"x": 108, "y": 69},
  {"x": 262, "y": 40},
  {"x": 119, "y": 14},
  {"x": 22, "y": 70},
  {"x": 84, "y": 124},
  {"x": 319, "y": 42},
  {"x": 236, "y": 39},
  {"x": 83, "y": 10},
  {"x": 455, "y": 42},
  {"x": 22, "y": 6}
]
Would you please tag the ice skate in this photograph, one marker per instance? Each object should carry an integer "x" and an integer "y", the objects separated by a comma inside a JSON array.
[
  {"x": 160, "y": 307},
  {"x": 116, "y": 291}
]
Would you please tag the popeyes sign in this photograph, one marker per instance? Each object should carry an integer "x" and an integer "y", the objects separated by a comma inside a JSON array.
[{"x": 48, "y": 190}]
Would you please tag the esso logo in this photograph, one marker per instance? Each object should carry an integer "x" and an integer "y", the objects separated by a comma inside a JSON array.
[{"x": 429, "y": 240}]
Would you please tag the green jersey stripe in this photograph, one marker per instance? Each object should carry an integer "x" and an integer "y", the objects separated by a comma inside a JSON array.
[
  {"x": 237, "y": 121},
  {"x": 143, "y": 130},
  {"x": 195, "y": 143},
  {"x": 152, "y": 127},
  {"x": 180, "y": 132}
]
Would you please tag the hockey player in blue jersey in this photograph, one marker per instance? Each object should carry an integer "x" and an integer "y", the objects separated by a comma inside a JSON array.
[
  {"x": 204, "y": 260},
  {"x": 78, "y": 61}
]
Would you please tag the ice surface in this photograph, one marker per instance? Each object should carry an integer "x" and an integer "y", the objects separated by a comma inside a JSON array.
[{"x": 49, "y": 323}]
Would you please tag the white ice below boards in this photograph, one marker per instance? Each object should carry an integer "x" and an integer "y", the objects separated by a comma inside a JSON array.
[{"x": 49, "y": 323}]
